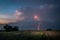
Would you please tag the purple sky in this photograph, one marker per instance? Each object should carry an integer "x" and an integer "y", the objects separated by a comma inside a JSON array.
[{"x": 14, "y": 11}]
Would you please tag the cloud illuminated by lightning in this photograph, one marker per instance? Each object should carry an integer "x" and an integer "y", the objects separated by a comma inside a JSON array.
[
  {"x": 36, "y": 18},
  {"x": 18, "y": 15}
]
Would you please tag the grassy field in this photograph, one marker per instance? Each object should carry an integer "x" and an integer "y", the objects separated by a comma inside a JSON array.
[{"x": 30, "y": 35}]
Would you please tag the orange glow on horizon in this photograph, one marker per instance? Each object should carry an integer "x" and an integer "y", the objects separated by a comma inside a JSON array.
[{"x": 4, "y": 21}]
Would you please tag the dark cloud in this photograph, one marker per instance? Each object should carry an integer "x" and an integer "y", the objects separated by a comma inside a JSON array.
[
  {"x": 50, "y": 18},
  {"x": 47, "y": 10}
]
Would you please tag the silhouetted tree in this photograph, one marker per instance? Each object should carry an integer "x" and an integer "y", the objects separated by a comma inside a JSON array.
[
  {"x": 10, "y": 28},
  {"x": 7, "y": 27},
  {"x": 15, "y": 28}
]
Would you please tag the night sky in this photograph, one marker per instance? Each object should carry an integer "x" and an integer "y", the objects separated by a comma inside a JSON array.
[{"x": 27, "y": 14}]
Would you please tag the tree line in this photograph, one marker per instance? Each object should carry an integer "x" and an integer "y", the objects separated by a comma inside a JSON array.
[{"x": 10, "y": 28}]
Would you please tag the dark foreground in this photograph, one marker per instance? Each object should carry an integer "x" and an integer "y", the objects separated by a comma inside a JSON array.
[{"x": 30, "y": 35}]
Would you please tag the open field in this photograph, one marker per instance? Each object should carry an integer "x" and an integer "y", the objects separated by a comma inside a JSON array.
[{"x": 30, "y": 35}]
